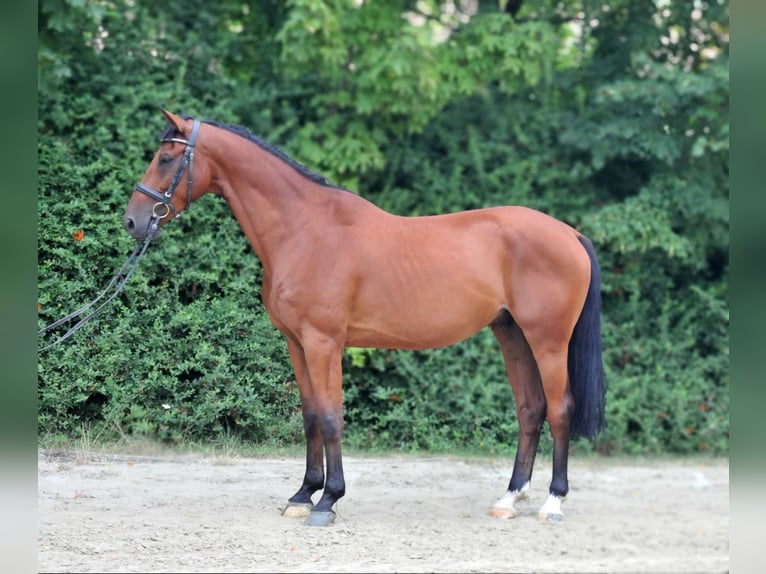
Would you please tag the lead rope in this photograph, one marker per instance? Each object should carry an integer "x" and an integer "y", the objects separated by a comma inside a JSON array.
[{"x": 117, "y": 283}]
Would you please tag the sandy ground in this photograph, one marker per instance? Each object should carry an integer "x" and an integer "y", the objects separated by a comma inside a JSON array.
[{"x": 118, "y": 513}]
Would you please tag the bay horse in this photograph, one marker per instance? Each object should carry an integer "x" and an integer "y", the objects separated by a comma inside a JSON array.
[{"x": 340, "y": 272}]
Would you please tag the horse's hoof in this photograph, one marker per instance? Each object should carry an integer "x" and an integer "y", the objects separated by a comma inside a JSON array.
[
  {"x": 502, "y": 513},
  {"x": 504, "y": 508},
  {"x": 297, "y": 509},
  {"x": 320, "y": 518},
  {"x": 550, "y": 517}
]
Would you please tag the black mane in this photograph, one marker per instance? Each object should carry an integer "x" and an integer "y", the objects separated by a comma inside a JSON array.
[{"x": 243, "y": 132}]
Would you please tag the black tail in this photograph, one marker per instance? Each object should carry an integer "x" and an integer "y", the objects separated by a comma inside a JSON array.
[{"x": 586, "y": 370}]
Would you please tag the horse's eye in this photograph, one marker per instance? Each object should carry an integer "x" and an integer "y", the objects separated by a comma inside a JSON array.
[{"x": 165, "y": 159}]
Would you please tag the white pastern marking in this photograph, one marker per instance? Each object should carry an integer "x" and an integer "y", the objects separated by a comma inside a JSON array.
[
  {"x": 552, "y": 506},
  {"x": 511, "y": 497}
]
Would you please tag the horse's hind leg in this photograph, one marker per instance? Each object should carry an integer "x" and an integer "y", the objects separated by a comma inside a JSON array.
[
  {"x": 527, "y": 388},
  {"x": 560, "y": 408}
]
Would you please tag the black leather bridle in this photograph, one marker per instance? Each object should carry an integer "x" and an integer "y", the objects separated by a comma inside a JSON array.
[{"x": 163, "y": 199}]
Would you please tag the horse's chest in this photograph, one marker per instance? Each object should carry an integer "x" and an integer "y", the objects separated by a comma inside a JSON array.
[
  {"x": 288, "y": 303},
  {"x": 270, "y": 302}
]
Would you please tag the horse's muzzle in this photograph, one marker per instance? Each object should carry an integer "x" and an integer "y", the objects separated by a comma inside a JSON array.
[{"x": 138, "y": 231}]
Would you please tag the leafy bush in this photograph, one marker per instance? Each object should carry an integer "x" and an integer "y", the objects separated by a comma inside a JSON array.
[
  {"x": 431, "y": 400},
  {"x": 616, "y": 129}
]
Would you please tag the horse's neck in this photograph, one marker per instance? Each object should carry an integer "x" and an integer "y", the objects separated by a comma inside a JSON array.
[{"x": 271, "y": 200}]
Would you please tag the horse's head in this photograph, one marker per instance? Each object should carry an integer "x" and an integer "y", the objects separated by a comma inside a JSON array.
[{"x": 171, "y": 182}]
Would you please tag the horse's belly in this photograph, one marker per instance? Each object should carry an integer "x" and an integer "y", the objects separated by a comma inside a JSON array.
[
  {"x": 427, "y": 325},
  {"x": 431, "y": 288}
]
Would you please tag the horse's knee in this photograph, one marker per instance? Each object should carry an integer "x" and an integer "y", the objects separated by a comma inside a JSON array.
[
  {"x": 331, "y": 425},
  {"x": 311, "y": 421},
  {"x": 328, "y": 425}
]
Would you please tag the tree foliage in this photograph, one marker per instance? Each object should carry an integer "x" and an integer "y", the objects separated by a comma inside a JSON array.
[{"x": 612, "y": 117}]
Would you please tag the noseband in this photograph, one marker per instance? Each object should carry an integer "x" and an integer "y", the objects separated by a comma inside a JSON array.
[{"x": 163, "y": 199}]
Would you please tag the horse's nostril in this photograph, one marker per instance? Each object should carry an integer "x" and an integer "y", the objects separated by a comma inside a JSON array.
[{"x": 129, "y": 224}]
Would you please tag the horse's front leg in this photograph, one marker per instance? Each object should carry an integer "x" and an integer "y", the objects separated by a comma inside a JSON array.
[
  {"x": 321, "y": 396},
  {"x": 323, "y": 360},
  {"x": 299, "y": 505}
]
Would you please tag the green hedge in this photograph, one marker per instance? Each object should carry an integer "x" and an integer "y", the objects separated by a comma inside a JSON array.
[{"x": 611, "y": 136}]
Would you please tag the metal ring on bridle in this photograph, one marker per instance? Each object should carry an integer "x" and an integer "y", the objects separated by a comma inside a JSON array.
[{"x": 161, "y": 216}]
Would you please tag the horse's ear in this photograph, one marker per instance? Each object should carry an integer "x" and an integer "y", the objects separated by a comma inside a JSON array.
[{"x": 182, "y": 125}]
